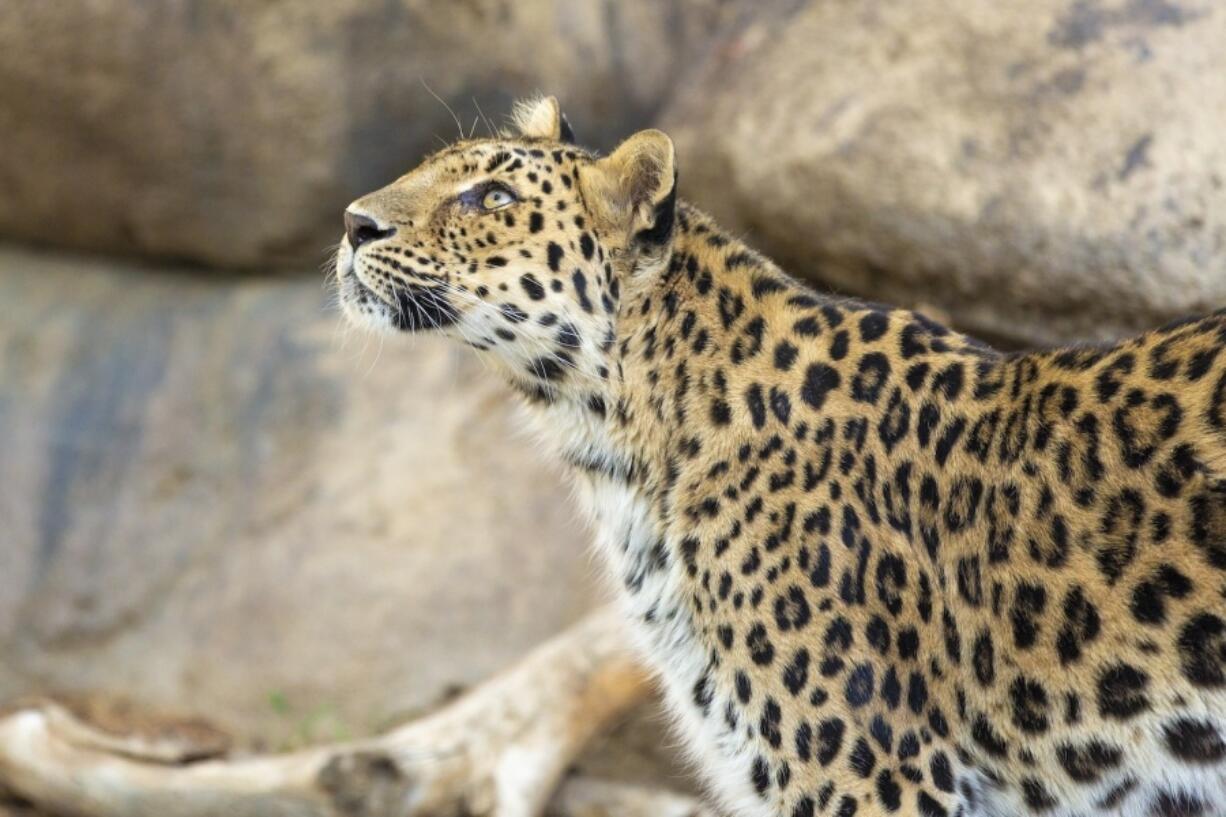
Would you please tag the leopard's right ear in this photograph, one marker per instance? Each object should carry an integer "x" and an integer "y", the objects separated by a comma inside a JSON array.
[
  {"x": 542, "y": 118},
  {"x": 634, "y": 190},
  {"x": 565, "y": 132}
]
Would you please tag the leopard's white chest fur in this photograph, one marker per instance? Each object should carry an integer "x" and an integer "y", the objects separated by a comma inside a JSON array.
[
  {"x": 644, "y": 565},
  {"x": 637, "y": 552}
]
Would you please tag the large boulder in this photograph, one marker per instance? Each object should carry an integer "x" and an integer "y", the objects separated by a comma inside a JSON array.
[
  {"x": 233, "y": 132},
  {"x": 1042, "y": 171},
  {"x": 215, "y": 500}
]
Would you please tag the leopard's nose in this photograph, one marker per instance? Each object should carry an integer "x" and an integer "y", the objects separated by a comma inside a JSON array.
[{"x": 361, "y": 228}]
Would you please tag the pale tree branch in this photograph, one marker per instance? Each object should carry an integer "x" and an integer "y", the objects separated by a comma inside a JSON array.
[{"x": 501, "y": 750}]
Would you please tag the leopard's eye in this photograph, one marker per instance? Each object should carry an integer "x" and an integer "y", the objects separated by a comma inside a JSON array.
[{"x": 496, "y": 198}]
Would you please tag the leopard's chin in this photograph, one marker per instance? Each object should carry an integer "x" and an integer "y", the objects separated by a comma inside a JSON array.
[
  {"x": 360, "y": 305},
  {"x": 421, "y": 308},
  {"x": 408, "y": 307}
]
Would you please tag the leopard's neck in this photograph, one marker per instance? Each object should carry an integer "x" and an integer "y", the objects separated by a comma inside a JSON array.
[{"x": 710, "y": 370}]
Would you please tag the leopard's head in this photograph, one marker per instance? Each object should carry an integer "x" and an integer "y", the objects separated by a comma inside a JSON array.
[{"x": 521, "y": 246}]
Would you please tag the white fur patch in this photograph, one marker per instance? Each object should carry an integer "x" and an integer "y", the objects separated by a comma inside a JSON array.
[
  {"x": 537, "y": 117},
  {"x": 626, "y": 533}
]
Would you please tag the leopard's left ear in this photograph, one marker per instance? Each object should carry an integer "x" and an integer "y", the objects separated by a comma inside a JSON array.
[
  {"x": 634, "y": 190},
  {"x": 542, "y": 118}
]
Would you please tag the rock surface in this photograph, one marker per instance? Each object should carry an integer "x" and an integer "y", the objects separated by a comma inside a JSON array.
[
  {"x": 1042, "y": 171},
  {"x": 215, "y": 502},
  {"x": 233, "y": 133}
]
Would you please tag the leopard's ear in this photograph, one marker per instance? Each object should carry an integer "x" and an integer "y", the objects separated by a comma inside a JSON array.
[
  {"x": 635, "y": 188},
  {"x": 566, "y": 132},
  {"x": 541, "y": 118}
]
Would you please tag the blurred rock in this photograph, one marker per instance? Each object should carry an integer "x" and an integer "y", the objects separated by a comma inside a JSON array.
[
  {"x": 15, "y": 809},
  {"x": 215, "y": 502},
  {"x": 1043, "y": 171},
  {"x": 233, "y": 133}
]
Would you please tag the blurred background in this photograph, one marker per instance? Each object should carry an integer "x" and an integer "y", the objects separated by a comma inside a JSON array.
[{"x": 215, "y": 500}]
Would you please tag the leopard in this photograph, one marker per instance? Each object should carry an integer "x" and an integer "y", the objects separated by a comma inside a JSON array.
[{"x": 877, "y": 566}]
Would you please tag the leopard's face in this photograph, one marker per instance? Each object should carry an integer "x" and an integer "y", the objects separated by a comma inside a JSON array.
[
  {"x": 475, "y": 235},
  {"x": 516, "y": 246}
]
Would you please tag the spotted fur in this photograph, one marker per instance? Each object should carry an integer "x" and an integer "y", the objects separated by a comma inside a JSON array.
[{"x": 880, "y": 567}]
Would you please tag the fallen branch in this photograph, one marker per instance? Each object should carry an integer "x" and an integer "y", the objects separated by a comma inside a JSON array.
[{"x": 500, "y": 750}]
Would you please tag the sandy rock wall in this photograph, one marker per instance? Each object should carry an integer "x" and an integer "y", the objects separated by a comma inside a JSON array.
[
  {"x": 1042, "y": 172},
  {"x": 214, "y": 499},
  {"x": 233, "y": 133}
]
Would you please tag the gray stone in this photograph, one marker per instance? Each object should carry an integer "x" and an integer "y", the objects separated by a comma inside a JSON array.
[
  {"x": 216, "y": 501},
  {"x": 1041, "y": 171},
  {"x": 233, "y": 133}
]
